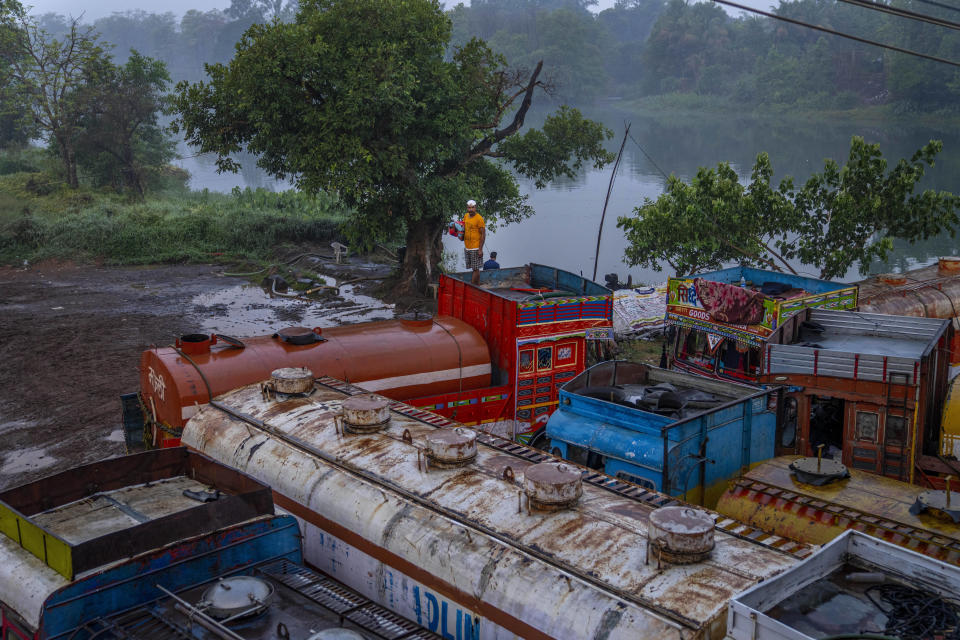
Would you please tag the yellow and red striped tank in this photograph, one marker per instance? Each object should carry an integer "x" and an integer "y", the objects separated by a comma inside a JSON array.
[{"x": 769, "y": 498}]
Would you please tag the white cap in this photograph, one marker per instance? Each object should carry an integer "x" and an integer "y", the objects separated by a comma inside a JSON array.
[{"x": 471, "y": 203}]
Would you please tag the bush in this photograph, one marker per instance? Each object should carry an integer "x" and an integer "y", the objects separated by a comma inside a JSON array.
[{"x": 189, "y": 226}]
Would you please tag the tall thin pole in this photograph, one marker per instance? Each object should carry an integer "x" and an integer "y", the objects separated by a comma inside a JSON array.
[{"x": 616, "y": 165}]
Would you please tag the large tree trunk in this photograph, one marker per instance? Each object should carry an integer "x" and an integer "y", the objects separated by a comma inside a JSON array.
[
  {"x": 69, "y": 159},
  {"x": 424, "y": 252}
]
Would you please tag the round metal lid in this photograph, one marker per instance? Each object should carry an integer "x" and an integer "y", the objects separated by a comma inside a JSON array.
[
  {"x": 682, "y": 521},
  {"x": 365, "y": 402},
  {"x": 553, "y": 473},
  {"x": 416, "y": 319},
  {"x": 298, "y": 335},
  {"x": 935, "y": 502},
  {"x": 457, "y": 437},
  {"x": 292, "y": 379},
  {"x": 231, "y": 596},
  {"x": 818, "y": 472},
  {"x": 453, "y": 446}
]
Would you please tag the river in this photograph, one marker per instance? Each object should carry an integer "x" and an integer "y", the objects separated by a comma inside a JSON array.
[{"x": 563, "y": 232}]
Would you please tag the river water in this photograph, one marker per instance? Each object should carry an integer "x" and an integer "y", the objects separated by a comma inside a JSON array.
[{"x": 563, "y": 232}]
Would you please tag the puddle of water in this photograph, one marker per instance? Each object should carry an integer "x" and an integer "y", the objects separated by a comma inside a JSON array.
[
  {"x": 16, "y": 425},
  {"x": 26, "y": 459},
  {"x": 115, "y": 436},
  {"x": 247, "y": 310}
]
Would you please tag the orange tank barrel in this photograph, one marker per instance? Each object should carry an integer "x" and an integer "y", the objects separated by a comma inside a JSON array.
[{"x": 396, "y": 358}]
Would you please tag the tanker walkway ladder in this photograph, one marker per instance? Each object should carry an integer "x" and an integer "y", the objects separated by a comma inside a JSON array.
[
  {"x": 184, "y": 615},
  {"x": 931, "y": 543},
  {"x": 367, "y": 488},
  {"x": 619, "y": 487}
]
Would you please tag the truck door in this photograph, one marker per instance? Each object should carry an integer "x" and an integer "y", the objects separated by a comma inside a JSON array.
[
  {"x": 863, "y": 437},
  {"x": 542, "y": 369}
]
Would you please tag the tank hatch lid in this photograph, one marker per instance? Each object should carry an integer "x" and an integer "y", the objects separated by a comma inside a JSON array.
[
  {"x": 299, "y": 335},
  {"x": 681, "y": 535},
  {"x": 938, "y": 504},
  {"x": 292, "y": 380},
  {"x": 817, "y": 471},
  {"x": 238, "y": 596},
  {"x": 416, "y": 319}
]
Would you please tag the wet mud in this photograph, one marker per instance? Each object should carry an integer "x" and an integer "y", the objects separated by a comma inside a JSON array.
[{"x": 71, "y": 338}]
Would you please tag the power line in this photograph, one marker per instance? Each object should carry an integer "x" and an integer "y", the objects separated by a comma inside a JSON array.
[
  {"x": 652, "y": 161},
  {"x": 903, "y": 13},
  {"x": 837, "y": 33},
  {"x": 938, "y": 4}
]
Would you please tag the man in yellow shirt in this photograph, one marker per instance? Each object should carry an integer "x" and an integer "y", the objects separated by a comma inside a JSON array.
[{"x": 474, "y": 233}]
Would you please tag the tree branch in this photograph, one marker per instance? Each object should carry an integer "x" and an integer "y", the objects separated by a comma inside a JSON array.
[{"x": 483, "y": 147}]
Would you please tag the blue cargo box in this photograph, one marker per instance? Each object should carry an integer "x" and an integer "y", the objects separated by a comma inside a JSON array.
[{"x": 677, "y": 433}]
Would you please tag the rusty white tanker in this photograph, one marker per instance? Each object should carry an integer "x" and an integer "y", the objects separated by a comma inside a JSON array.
[{"x": 478, "y": 537}]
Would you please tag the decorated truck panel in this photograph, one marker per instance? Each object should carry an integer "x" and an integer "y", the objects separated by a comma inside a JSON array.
[
  {"x": 537, "y": 322},
  {"x": 719, "y": 321}
]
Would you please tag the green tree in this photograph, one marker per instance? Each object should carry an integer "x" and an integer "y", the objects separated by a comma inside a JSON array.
[
  {"x": 16, "y": 120},
  {"x": 120, "y": 140},
  {"x": 842, "y": 216},
  {"x": 711, "y": 221},
  {"x": 852, "y": 213},
  {"x": 46, "y": 72},
  {"x": 357, "y": 98}
]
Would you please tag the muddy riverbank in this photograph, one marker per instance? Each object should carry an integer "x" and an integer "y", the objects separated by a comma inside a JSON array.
[{"x": 71, "y": 338}]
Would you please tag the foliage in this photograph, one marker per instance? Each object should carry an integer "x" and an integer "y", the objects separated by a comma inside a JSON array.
[
  {"x": 120, "y": 141},
  {"x": 358, "y": 98},
  {"x": 842, "y": 216},
  {"x": 853, "y": 213},
  {"x": 176, "y": 227},
  {"x": 635, "y": 48},
  {"x": 45, "y": 73},
  {"x": 262, "y": 10}
]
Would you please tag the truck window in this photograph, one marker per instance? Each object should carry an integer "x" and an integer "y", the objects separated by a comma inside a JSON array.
[
  {"x": 738, "y": 360},
  {"x": 544, "y": 358},
  {"x": 526, "y": 360},
  {"x": 693, "y": 349},
  {"x": 643, "y": 482}
]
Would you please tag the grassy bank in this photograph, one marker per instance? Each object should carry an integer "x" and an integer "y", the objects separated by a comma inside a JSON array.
[
  {"x": 680, "y": 106},
  {"x": 41, "y": 219}
]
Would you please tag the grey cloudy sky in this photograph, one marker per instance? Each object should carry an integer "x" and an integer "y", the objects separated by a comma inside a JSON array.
[{"x": 93, "y": 9}]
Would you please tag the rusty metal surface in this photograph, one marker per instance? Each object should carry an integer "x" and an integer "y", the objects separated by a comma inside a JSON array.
[
  {"x": 110, "y": 511},
  {"x": 159, "y": 518},
  {"x": 374, "y": 486},
  {"x": 552, "y": 485},
  {"x": 929, "y": 292},
  {"x": 769, "y": 497},
  {"x": 453, "y": 447},
  {"x": 366, "y": 413},
  {"x": 685, "y": 533},
  {"x": 25, "y": 581},
  {"x": 291, "y": 380}
]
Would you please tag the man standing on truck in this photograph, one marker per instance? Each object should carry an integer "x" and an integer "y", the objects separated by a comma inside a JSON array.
[{"x": 474, "y": 233}]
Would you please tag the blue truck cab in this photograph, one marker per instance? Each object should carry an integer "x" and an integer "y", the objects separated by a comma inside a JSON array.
[{"x": 674, "y": 432}]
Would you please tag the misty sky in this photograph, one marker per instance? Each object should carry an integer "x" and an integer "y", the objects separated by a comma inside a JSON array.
[{"x": 93, "y": 9}]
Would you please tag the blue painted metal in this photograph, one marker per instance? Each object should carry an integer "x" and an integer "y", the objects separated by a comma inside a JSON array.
[
  {"x": 662, "y": 453},
  {"x": 189, "y": 563},
  {"x": 732, "y": 275}
]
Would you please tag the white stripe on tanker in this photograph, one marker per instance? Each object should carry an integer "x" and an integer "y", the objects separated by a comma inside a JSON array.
[
  {"x": 460, "y": 530},
  {"x": 428, "y": 377}
]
